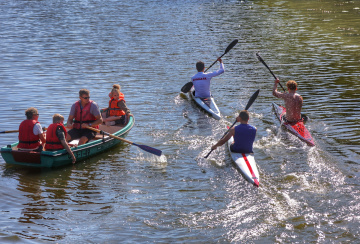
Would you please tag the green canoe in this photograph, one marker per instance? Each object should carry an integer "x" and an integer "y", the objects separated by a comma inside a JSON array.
[{"x": 50, "y": 159}]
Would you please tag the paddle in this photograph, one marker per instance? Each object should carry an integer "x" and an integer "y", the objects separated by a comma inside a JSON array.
[
  {"x": 12, "y": 131},
  {"x": 262, "y": 61},
  {"x": 143, "y": 147},
  {"x": 250, "y": 102},
  {"x": 303, "y": 116},
  {"x": 186, "y": 88}
]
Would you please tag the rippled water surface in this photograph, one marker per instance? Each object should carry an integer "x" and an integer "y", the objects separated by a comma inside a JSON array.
[{"x": 50, "y": 49}]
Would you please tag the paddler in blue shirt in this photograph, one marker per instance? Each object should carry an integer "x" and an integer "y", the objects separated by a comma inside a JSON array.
[
  {"x": 244, "y": 135},
  {"x": 293, "y": 101},
  {"x": 201, "y": 80}
]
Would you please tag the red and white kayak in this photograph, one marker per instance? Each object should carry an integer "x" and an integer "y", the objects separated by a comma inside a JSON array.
[
  {"x": 298, "y": 128},
  {"x": 246, "y": 164}
]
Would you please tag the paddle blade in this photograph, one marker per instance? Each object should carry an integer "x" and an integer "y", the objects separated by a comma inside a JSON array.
[
  {"x": 252, "y": 99},
  {"x": 152, "y": 150},
  {"x": 231, "y": 45},
  {"x": 186, "y": 88}
]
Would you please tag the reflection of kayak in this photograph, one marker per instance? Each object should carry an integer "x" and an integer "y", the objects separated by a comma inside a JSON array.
[
  {"x": 298, "y": 128},
  {"x": 246, "y": 164},
  {"x": 208, "y": 104},
  {"x": 12, "y": 155}
]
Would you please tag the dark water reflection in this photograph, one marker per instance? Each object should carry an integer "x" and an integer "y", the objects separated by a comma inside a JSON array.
[{"x": 51, "y": 49}]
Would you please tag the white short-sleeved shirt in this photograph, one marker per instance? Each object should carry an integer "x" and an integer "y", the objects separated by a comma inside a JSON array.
[{"x": 37, "y": 130}]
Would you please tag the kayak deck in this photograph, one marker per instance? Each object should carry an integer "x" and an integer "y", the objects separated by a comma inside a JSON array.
[
  {"x": 298, "y": 129},
  {"x": 208, "y": 104},
  {"x": 246, "y": 164}
]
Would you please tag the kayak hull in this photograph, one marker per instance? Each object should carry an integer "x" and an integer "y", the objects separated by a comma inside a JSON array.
[
  {"x": 245, "y": 162},
  {"x": 298, "y": 129},
  {"x": 207, "y": 104}
]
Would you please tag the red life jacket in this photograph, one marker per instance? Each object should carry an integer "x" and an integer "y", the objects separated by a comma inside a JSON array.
[
  {"x": 114, "y": 109},
  {"x": 52, "y": 141},
  {"x": 27, "y": 138},
  {"x": 83, "y": 116}
]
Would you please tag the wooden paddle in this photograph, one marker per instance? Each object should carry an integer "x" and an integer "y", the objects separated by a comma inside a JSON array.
[
  {"x": 12, "y": 131},
  {"x": 250, "y": 102},
  {"x": 143, "y": 147},
  {"x": 262, "y": 61},
  {"x": 186, "y": 88}
]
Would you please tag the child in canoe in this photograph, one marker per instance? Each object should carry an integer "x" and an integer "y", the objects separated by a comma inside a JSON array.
[
  {"x": 117, "y": 112},
  {"x": 55, "y": 136}
]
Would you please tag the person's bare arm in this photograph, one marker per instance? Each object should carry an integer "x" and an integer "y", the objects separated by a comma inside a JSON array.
[
  {"x": 66, "y": 146},
  {"x": 275, "y": 92},
  {"x": 225, "y": 139}
]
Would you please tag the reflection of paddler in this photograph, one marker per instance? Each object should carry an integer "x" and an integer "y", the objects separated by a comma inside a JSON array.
[
  {"x": 31, "y": 135},
  {"x": 55, "y": 136},
  {"x": 117, "y": 112},
  {"x": 83, "y": 113}
]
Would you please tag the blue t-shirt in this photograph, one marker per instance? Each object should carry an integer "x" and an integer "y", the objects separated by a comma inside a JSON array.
[{"x": 244, "y": 138}]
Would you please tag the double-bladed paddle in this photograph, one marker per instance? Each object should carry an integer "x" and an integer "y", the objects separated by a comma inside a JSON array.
[
  {"x": 186, "y": 88},
  {"x": 304, "y": 116},
  {"x": 263, "y": 62},
  {"x": 250, "y": 102},
  {"x": 152, "y": 150}
]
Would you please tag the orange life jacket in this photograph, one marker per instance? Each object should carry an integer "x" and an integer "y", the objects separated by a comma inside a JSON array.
[
  {"x": 27, "y": 138},
  {"x": 52, "y": 141},
  {"x": 83, "y": 116},
  {"x": 114, "y": 109}
]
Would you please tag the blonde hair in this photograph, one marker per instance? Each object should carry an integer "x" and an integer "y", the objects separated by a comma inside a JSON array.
[
  {"x": 30, "y": 112},
  {"x": 57, "y": 118},
  {"x": 116, "y": 88}
]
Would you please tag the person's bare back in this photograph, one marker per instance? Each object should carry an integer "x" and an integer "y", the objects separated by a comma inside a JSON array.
[{"x": 293, "y": 101}]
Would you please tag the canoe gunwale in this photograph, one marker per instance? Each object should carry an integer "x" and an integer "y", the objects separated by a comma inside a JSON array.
[{"x": 92, "y": 148}]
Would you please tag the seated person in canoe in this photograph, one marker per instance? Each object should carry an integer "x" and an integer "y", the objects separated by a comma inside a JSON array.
[
  {"x": 83, "y": 113},
  {"x": 293, "y": 101},
  {"x": 31, "y": 135},
  {"x": 55, "y": 136},
  {"x": 202, "y": 80},
  {"x": 244, "y": 135},
  {"x": 117, "y": 112}
]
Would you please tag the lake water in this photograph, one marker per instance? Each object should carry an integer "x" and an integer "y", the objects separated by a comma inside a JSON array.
[{"x": 51, "y": 49}]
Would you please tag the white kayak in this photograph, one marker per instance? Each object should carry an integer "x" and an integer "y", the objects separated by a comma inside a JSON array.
[
  {"x": 208, "y": 104},
  {"x": 246, "y": 164}
]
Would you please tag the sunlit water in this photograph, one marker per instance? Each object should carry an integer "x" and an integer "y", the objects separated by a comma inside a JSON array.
[{"x": 51, "y": 49}]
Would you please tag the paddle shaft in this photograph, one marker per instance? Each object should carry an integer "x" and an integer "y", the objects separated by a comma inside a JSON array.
[
  {"x": 110, "y": 135},
  {"x": 263, "y": 62},
  {"x": 143, "y": 147},
  {"x": 186, "y": 88},
  {"x": 13, "y": 131}
]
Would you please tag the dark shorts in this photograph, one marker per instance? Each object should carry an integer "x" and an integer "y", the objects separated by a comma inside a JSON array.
[
  {"x": 78, "y": 133},
  {"x": 121, "y": 121},
  {"x": 244, "y": 151}
]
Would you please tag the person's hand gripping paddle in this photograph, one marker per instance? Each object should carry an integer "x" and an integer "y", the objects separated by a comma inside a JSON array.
[
  {"x": 186, "y": 88},
  {"x": 250, "y": 102}
]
